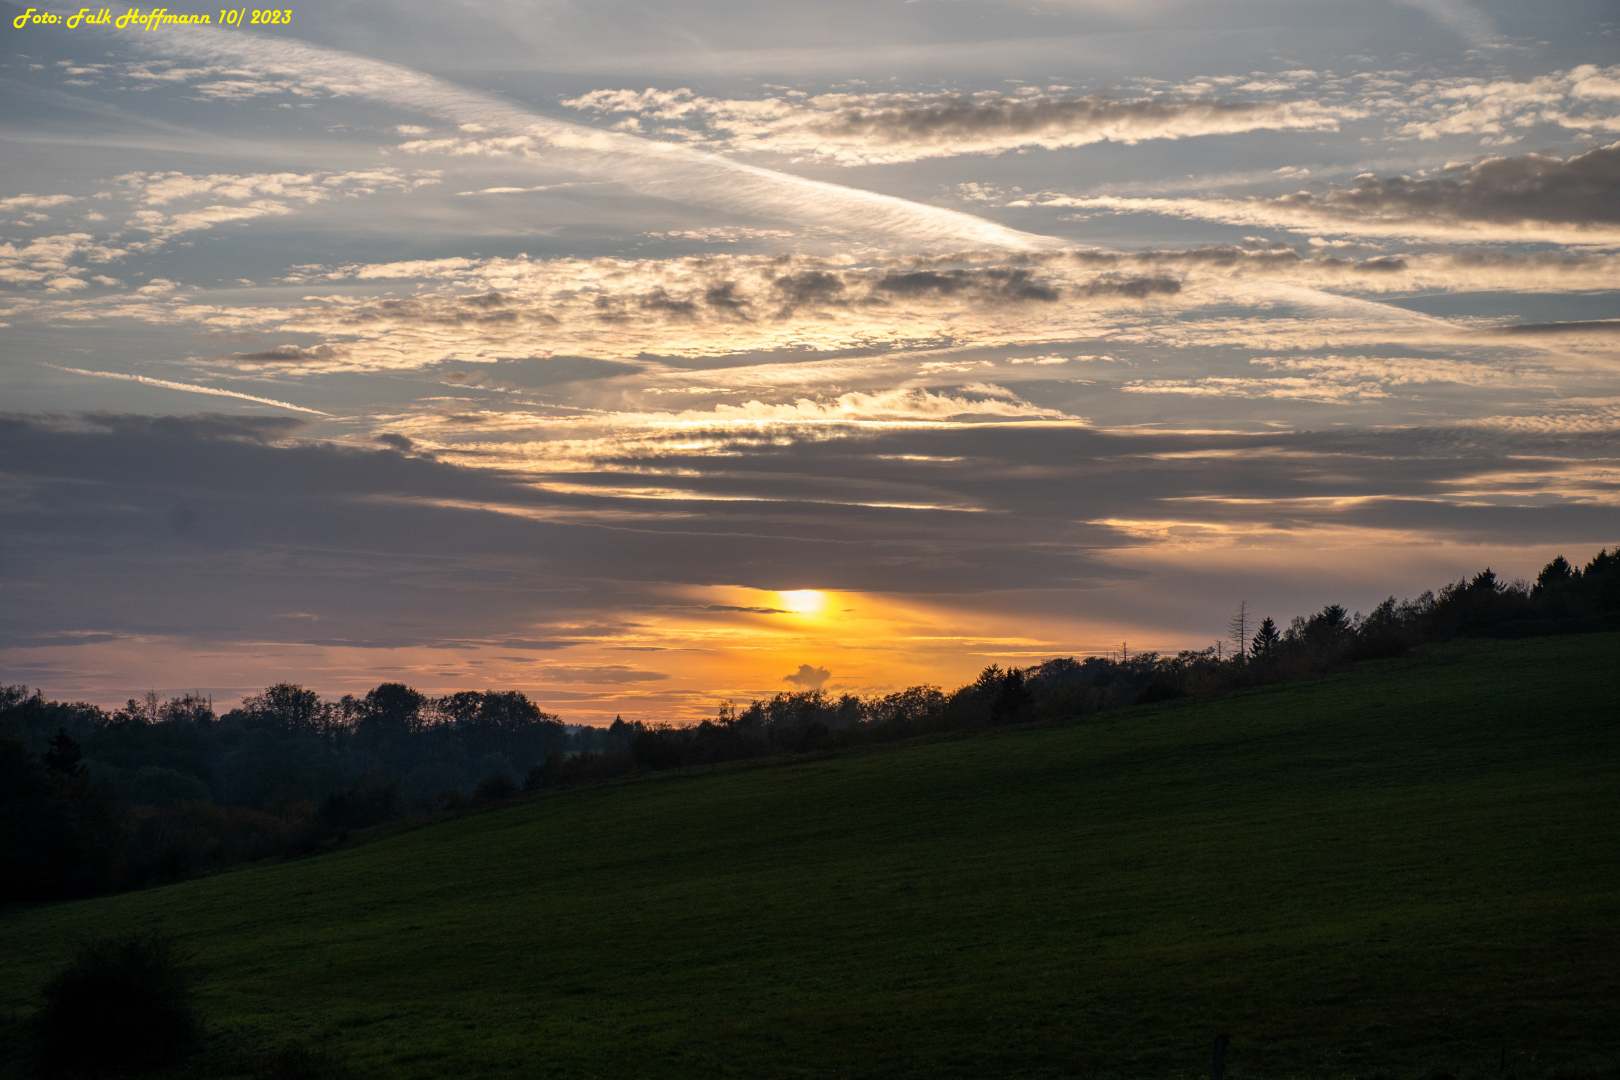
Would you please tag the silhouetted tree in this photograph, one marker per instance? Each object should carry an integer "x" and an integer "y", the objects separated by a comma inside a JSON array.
[
  {"x": 1554, "y": 575},
  {"x": 385, "y": 721},
  {"x": 547, "y": 774},
  {"x": 1601, "y": 579},
  {"x": 58, "y": 830},
  {"x": 121, "y": 1003},
  {"x": 1380, "y": 633},
  {"x": 64, "y": 755},
  {"x": 286, "y": 707},
  {"x": 1265, "y": 641},
  {"x": 1239, "y": 626}
]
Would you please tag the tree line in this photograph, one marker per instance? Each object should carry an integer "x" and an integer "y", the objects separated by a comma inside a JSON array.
[
  {"x": 162, "y": 789},
  {"x": 92, "y": 800}
]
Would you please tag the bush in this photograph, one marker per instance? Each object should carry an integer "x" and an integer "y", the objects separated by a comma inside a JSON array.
[
  {"x": 372, "y": 801},
  {"x": 1160, "y": 690},
  {"x": 200, "y": 837},
  {"x": 547, "y": 774},
  {"x": 494, "y": 788},
  {"x": 121, "y": 1003}
]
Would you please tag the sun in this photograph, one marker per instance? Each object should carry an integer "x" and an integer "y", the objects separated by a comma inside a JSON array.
[{"x": 802, "y": 601}]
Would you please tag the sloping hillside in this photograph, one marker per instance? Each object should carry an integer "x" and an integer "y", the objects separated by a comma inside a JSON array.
[{"x": 1410, "y": 868}]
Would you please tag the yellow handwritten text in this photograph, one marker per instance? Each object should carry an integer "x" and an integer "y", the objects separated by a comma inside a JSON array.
[{"x": 153, "y": 18}]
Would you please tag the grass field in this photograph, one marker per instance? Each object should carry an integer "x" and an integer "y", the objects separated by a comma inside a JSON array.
[{"x": 1411, "y": 870}]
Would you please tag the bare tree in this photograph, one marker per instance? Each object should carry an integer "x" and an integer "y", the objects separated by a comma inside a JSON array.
[{"x": 1239, "y": 626}]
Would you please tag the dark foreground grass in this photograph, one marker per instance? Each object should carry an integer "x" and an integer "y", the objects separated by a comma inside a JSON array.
[{"x": 1411, "y": 870}]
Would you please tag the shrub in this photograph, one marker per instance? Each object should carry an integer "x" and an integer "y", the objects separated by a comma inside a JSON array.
[
  {"x": 547, "y": 774},
  {"x": 199, "y": 837},
  {"x": 1160, "y": 690},
  {"x": 494, "y": 788},
  {"x": 372, "y": 801},
  {"x": 121, "y": 1003}
]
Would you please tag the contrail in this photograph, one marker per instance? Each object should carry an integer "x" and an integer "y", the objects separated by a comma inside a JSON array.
[
  {"x": 644, "y": 165},
  {"x": 192, "y": 387}
]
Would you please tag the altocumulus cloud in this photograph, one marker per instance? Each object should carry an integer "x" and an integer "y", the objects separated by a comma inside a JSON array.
[
  {"x": 866, "y": 129},
  {"x": 589, "y": 313},
  {"x": 1531, "y": 197}
]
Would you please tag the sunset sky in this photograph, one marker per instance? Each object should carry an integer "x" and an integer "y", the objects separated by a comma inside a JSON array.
[{"x": 642, "y": 355}]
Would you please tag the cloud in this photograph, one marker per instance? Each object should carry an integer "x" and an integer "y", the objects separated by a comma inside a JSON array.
[
  {"x": 260, "y": 194},
  {"x": 894, "y": 406},
  {"x": 610, "y": 674},
  {"x": 567, "y": 320},
  {"x": 395, "y": 441},
  {"x": 159, "y": 188},
  {"x": 605, "y": 309},
  {"x": 1532, "y": 197},
  {"x": 808, "y": 678},
  {"x": 290, "y": 354},
  {"x": 319, "y": 527},
  {"x": 352, "y": 535},
  {"x": 1290, "y": 388},
  {"x": 37, "y": 202},
  {"x": 638, "y": 164},
  {"x": 1335, "y": 380},
  {"x": 165, "y": 226},
  {"x": 199, "y": 428},
  {"x": 1390, "y": 371},
  {"x": 114, "y": 517},
  {"x": 52, "y": 256},
  {"x": 865, "y": 129},
  {"x": 1599, "y": 329},
  {"x": 1589, "y": 84},
  {"x": 1474, "y": 106}
]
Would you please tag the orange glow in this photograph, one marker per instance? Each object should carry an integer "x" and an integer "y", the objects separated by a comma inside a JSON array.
[
  {"x": 685, "y": 649},
  {"x": 802, "y": 601}
]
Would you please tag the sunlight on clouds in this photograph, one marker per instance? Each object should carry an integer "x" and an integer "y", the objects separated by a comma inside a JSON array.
[
  {"x": 1526, "y": 199},
  {"x": 865, "y": 129},
  {"x": 702, "y": 306},
  {"x": 607, "y": 472},
  {"x": 636, "y": 163}
]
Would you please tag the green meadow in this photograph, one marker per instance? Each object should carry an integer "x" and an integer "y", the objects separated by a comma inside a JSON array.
[{"x": 1409, "y": 870}]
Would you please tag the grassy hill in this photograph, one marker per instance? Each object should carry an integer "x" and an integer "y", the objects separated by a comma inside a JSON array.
[{"x": 1410, "y": 870}]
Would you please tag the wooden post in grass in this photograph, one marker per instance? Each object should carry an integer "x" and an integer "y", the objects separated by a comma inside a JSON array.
[{"x": 1220, "y": 1057}]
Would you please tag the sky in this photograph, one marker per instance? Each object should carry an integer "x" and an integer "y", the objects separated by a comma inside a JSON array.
[{"x": 647, "y": 355}]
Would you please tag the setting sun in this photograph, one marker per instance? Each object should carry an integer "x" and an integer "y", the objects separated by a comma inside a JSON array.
[{"x": 802, "y": 601}]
